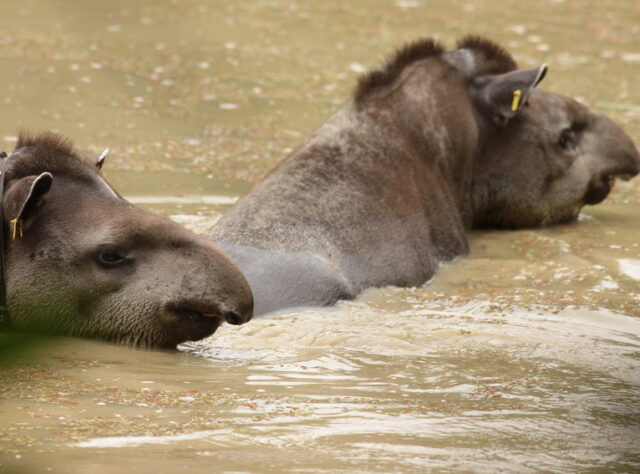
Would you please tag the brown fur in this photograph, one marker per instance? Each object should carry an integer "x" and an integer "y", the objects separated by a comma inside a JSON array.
[
  {"x": 494, "y": 58},
  {"x": 384, "y": 190},
  {"x": 51, "y": 152},
  {"x": 406, "y": 55},
  {"x": 47, "y": 142}
]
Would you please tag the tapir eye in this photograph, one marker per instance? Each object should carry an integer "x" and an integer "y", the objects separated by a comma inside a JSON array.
[
  {"x": 567, "y": 138},
  {"x": 110, "y": 256}
]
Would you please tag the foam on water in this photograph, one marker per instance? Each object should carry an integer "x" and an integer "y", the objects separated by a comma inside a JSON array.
[{"x": 630, "y": 267}]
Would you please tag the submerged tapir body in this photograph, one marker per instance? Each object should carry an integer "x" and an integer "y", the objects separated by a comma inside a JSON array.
[
  {"x": 80, "y": 260},
  {"x": 430, "y": 145}
]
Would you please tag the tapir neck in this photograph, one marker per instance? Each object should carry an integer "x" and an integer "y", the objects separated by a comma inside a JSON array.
[
  {"x": 433, "y": 138},
  {"x": 479, "y": 191}
]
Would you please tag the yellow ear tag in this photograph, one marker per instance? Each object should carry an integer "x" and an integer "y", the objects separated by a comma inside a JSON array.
[
  {"x": 16, "y": 228},
  {"x": 516, "y": 99}
]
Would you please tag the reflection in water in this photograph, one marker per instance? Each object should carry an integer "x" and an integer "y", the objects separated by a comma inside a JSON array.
[{"x": 524, "y": 356}]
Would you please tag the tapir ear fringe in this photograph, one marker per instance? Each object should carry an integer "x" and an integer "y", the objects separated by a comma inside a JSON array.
[
  {"x": 102, "y": 158},
  {"x": 494, "y": 58}
]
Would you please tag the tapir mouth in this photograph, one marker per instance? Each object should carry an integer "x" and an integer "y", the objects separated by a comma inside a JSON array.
[
  {"x": 600, "y": 187},
  {"x": 206, "y": 316},
  {"x": 195, "y": 316},
  {"x": 598, "y": 190},
  {"x": 189, "y": 322}
]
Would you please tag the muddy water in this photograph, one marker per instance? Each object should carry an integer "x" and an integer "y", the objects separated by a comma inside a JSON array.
[{"x": 524, "y": 356}]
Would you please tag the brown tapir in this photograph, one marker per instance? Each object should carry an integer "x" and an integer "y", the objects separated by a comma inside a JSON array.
[
  {"x": 80, "y": 260},
  {"x": 430, "y": 145}
]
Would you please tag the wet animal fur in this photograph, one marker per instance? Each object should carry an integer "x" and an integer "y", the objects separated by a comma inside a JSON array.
[{"x": 428, "y": 147}]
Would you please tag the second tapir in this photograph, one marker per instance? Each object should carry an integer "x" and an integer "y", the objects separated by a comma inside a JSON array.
[{"x": 430, "y": 145}]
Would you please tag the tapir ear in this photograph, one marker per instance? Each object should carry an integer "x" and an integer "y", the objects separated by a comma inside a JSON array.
[
  {"x": 101, "y": 158},
  {"x": 503, "y": 95},
  {"x": 24, "y": 196}
]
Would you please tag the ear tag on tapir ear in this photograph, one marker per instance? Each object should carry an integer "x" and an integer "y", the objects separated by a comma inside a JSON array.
[
  {"x": 16, "y": 228},
  {"x": 517, "y": 94}
]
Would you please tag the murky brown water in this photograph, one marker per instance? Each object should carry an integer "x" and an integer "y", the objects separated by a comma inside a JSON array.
[{"x": 524, "y": 356}]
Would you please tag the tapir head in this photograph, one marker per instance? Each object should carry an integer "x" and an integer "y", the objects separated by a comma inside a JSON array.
[
  {"x": 82, "y": 261},
  {"x": 542, "y": 156}
]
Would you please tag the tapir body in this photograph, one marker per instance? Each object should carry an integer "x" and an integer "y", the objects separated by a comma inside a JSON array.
[{"x": 430, "y": 145}]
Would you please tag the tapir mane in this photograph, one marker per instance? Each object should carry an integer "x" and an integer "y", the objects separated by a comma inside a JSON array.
[
  {"x": 384, "y": 76},
  {"x": 53, "y": 153},
  {"x": 489, "y": 58}
]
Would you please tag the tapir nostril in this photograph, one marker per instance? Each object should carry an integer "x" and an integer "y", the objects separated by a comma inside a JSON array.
[{"x": 233, "y": 317}]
